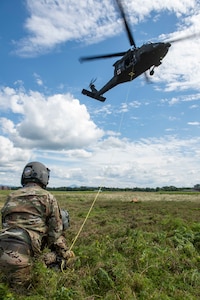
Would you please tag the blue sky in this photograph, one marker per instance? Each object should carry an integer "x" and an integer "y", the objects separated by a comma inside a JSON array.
[{"x": 144, "y": 135}]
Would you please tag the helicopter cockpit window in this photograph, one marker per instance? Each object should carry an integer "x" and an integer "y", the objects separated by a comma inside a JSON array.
[{"x": 127, "y": 62}]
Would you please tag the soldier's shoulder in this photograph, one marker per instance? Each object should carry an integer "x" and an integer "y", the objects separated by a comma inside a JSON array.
[
  {"x": 38, "y": 191},
  {"x": 30, "y": 190},
  {"x": 15, "y": 193}
]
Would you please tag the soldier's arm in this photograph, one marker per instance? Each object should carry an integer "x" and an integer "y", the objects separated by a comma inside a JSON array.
[
  {"x": 56, "y": 239},
  {"x": 54, "y": 222}
]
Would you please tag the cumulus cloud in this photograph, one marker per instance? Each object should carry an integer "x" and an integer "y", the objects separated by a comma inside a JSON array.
[
  {"x": 9, "y": 153},
  {"x": 33, "y": 126},
  {"x": 12, "y": 160},
  {"x": 180, "y": 67},
  {"x": 123, "y": 163},
  {"x": 53, "y": 22},
  {"x": 53, "y": 122},
  {"x": 110, "y": 161}
]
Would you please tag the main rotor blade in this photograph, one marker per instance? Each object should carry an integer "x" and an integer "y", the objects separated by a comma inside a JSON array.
[
  {"x": 187, "y": 37},
  {"x": 130, "y": 36},
  {"x": 87, "y": 58}
]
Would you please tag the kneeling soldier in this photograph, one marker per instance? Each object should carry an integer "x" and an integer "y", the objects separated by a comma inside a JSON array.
[{"x": 30, "y": 215}]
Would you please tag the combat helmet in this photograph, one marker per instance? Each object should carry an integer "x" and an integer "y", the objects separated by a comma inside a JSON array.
[{"x": 35, "y": 172}]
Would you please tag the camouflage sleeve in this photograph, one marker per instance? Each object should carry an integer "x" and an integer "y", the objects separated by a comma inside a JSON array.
[
  {"x": 61, "y": 246},
  {"x": 54, "y": 222}
]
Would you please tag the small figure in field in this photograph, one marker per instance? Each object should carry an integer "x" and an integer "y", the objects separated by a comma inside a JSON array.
[
  {"x": 30, "y": 216},
  {"x": 134, "y": 200}
]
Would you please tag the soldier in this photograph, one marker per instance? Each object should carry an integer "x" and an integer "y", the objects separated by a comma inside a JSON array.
[{"x": 29, "y": 216}]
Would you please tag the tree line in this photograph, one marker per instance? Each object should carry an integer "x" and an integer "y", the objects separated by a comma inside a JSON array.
[
  {"x": 170, "y": 188},
  {"x": 127, "y": 189}
]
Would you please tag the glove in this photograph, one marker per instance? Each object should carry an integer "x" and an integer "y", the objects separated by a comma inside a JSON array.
[
  {"x": 68, "y": 254},
  {"x": 68, "y": 259},
  {"x": 49, "y": 258}
]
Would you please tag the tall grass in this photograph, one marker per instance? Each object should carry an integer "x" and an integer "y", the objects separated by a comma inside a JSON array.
[{"x": 146, "y": 249}]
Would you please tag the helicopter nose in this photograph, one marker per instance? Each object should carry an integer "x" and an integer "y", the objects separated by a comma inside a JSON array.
[
  {"x": 164, "y": 49},
  {"x": 168, "y": 45}
]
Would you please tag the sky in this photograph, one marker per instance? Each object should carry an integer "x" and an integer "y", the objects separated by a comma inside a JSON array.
[{"x": 143, "y": 135}]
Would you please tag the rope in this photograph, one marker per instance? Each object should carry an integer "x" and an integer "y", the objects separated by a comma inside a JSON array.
[
  {"x": 87, "y": 216},
  {"x": 100, "y": 188}
]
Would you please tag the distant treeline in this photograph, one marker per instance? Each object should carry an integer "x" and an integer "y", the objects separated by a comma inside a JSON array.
[
  {"x": 113, "y": 189},
  {"x": 134, "y": 189}
]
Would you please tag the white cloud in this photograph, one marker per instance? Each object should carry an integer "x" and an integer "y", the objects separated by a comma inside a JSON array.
[
  {"x": 183, "y": 98},
  {"x": 54, "y": 122},
  {"x": 194, "y": 123},
  {"x": 38, "y": 79},
  {"x": 180, "y": 69},
  {"x": 112, "y": 161},
  {"x": 11, "y": 100},
  {"x": 120, "y": 162},
  {"x": 9, "y": 153},
  {"x": 7, "y": 126},
  {"x": 54, "y": 22},
  {"x": 12, "y": 160}
]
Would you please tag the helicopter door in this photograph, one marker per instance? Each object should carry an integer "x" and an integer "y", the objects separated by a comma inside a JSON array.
[
  {"x": 127, "y": 62},
  {"x": 130, "y": 60}
]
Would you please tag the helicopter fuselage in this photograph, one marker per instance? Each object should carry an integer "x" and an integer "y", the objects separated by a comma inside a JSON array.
[
  {"x": 131, "y": 65},
  {"x": 139, "y": 60},
  {"x": 133, "y": 62}
]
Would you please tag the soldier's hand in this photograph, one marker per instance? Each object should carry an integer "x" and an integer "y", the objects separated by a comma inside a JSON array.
[
  {"x": 68, "y": 254},
  {"x": 49, "y": 258},
  {"x": 69, "y": 259}
]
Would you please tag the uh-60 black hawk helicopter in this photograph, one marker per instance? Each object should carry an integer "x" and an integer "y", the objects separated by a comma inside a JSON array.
[{"x": 133, "y": 63}]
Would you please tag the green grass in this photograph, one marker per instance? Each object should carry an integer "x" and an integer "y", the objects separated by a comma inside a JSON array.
[{"x": 126, "y": 250}]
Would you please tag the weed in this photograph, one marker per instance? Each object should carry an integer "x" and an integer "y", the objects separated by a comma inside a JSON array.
[{"x": 5, "y": 293}]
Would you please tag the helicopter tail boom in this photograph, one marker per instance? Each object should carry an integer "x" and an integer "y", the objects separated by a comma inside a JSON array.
[{"x": 93, "y": 95}]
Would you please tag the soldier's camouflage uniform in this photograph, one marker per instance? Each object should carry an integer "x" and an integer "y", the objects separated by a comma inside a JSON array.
[{"x": 29, "y": 215}]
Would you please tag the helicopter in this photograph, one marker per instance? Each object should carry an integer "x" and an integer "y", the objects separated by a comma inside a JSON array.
[{"x": 133, "y": 62}]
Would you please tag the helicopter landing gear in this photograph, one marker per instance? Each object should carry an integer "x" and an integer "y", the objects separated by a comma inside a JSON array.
[{"x": 151, "y": 71}]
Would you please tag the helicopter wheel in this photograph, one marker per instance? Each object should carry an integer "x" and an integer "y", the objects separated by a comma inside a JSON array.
[{"x": 151, "y": 72}]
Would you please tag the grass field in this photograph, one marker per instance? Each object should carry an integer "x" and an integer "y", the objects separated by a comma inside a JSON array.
[{"x": 132, "y": 246}]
